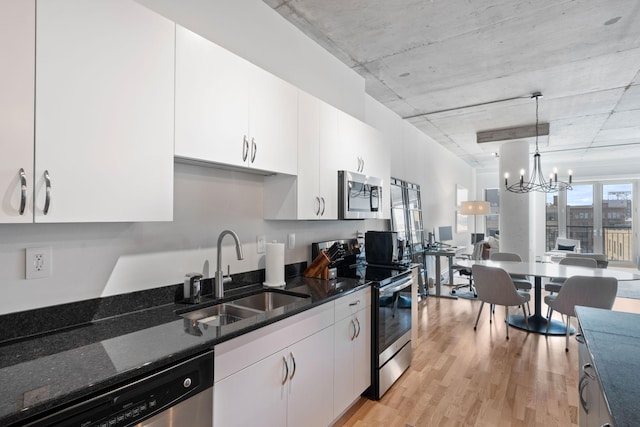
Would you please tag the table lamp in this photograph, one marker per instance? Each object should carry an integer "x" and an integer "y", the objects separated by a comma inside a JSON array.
[{"x": 475, "y": 208}]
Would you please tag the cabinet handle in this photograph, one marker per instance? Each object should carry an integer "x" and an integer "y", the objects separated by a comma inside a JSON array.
[
  {"x": 23, "y": 192},
  {"x": 293, "y": 372},
  {"x": 580, "y": 338},
  {"x": 584, "y": 370},
  {"x": 245, "y": 148},
  {"x": 323, "y": 206},
  {"x": 47, "y": 200},
  {"x": 358, "y": 322},
  {"x": 584, "y": 382},
  {"x": 286, "y": 372},
  {"x": 254, "y": 149},
  {"x": 353, "y": 336},
  {"x": 351, "y": 304},
  {"x": 317, "y": 205}
]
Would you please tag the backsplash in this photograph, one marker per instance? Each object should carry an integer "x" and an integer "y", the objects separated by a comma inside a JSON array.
[{"x": 41, "y": 321}]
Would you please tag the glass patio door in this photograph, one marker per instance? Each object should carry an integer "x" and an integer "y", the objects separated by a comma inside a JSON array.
[
  {"x": 600, "y": 215},
  {"x": 616, "y": 233},
  {"x": 581, "y": 217}
]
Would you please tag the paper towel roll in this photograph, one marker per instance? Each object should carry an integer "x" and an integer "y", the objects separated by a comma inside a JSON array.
[{"x": 274, "y": 265}]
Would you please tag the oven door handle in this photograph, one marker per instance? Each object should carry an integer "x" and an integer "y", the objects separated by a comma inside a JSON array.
[{"x": 396, "y": 287}]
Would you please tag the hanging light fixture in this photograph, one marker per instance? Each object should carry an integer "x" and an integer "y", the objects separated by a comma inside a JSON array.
[{"x": 536, "y": 181}]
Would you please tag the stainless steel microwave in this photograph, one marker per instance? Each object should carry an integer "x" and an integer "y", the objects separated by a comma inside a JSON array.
[{"x": 359, "y": 196}]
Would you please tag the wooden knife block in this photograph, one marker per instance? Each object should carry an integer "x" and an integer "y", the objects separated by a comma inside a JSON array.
[{"x": 319, "y": 268}]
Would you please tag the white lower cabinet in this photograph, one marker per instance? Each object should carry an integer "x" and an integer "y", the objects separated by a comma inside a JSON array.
[
  {"x": 593, "y": 408},
  {"x": 277, "y": 375},
  {"x": 352, "y": 343}
]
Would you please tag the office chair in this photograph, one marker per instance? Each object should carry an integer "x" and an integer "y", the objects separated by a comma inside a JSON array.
[{"x": 479, "y": 253}]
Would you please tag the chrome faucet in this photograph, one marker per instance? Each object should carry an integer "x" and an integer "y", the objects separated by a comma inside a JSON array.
[{"x": 220, "y": 277}]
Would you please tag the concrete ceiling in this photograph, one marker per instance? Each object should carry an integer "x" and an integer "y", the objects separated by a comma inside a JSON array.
[{"x": 457, "y": 67}]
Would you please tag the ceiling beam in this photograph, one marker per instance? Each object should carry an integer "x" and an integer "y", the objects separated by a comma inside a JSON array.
[{"x": 520, "y": 132}]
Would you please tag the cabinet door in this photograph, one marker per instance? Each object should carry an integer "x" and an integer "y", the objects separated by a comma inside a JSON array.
[
  {"x": 17, "y": 49},
  {"x": 212, "y": 101},
  {"x": 343, "y": 390},
  {"x": 350, "y": 143},
  {"x": 104, "y": 111},
  {"x": 330, "y": 159},
  {"x": 362, "y": 352},
  {"x": 254, "y": 396},
  {"x": 273, "y": 123},
  {"x": 309, "y": 204},
  {"x": 311, "y": 386}
]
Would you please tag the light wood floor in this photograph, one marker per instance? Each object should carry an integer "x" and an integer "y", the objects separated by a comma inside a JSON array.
[{"x": 462, "y": 377}]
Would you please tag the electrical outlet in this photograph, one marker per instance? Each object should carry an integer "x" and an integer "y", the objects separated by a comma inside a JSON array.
[
  {"x": 261, "y": 244},
  {"x": 38, "y": 263},
  {"x": 292, "y": 240}
]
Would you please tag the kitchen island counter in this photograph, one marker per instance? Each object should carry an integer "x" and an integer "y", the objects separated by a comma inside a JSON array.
[{"x": 613, "y": 341}]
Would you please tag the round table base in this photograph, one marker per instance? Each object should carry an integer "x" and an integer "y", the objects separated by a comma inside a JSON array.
[{"x": 538, "y": 324}]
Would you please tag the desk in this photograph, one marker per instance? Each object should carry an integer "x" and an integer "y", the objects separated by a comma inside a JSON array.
[
  {"x": 438, "y": 253},
  {"x": 537, "y": 322}
]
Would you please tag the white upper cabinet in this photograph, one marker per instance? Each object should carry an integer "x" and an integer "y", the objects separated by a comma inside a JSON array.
[
  {"x": 212, "y": 111},
  {"x": 229, "y": 111},
  {"x": 273, "y": 123},
  {"x": 17, "y": 49},
  {"x": 104, "y": 112},
  {"x": 312, "y": 194},
  {"x": 362, "y": 148}
]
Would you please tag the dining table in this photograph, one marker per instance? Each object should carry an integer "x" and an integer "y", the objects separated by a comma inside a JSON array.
[{"x": 539, "y": 270}]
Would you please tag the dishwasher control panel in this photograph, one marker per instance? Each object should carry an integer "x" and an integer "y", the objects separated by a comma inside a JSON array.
[{"x": 133, "y": 402}]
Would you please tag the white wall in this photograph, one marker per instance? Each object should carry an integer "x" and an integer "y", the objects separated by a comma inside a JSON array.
[
  {"x": 417, "y": 158},
  {"x": 93, "y": 260}
]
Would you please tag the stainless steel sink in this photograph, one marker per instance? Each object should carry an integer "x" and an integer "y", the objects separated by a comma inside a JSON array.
[
  {"x": 271, "y": 300},
  {"x": 221, "y": 314}
]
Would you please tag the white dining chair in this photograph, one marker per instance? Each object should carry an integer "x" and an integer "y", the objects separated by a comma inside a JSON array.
[
  {"x": 494, "y": 286},
  {"x": 555, "y": 283},
  {"x": 598, "y": 292},
  {"x": 521, "y": 282}
]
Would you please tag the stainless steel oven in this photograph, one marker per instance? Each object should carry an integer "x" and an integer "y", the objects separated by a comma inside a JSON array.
[{"x": 391, "y": 319}]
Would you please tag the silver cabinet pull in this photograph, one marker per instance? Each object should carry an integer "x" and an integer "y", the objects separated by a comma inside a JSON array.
[
  {"x": 585, "y": 369},
  {"x": 353, "y": 336},
  {"x": 47, "y": 200},
  {"x": 358, "y": 322},
  {"x": 286, "y": 372},
  {"x": 323, "y": 206},
  {"x": 580, "y": 338},
  {"x": 23, "y": 192},
  {"x": 317, "y": 205},
  {"x": 293, "y": 372},
  {"x": 245, "y": 148},
  {"x": 351, "y": 304},
  {"x": 254, "y": 149},
  {"x": 584, "y": 382}
]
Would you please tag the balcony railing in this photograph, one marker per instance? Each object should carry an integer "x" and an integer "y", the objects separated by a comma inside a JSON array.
[{"x": 617, "y": 241}]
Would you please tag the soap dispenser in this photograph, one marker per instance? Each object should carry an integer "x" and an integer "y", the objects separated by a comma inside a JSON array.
[{"x": 192, "y": 288}]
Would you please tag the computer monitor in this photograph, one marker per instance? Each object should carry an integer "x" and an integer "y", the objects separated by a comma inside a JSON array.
[{"x": 445, "y": 234}]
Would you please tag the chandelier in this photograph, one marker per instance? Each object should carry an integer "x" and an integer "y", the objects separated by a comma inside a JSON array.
[{"x": 537, "y": 181}]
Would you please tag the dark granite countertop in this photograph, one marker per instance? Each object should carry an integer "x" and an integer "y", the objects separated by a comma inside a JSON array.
[
  {"x": 53, "y": 370},
  {"x": 613, "y": 340}
]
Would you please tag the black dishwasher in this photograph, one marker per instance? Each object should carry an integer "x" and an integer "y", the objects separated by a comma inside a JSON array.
[{"x": 180, "y": 395}]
